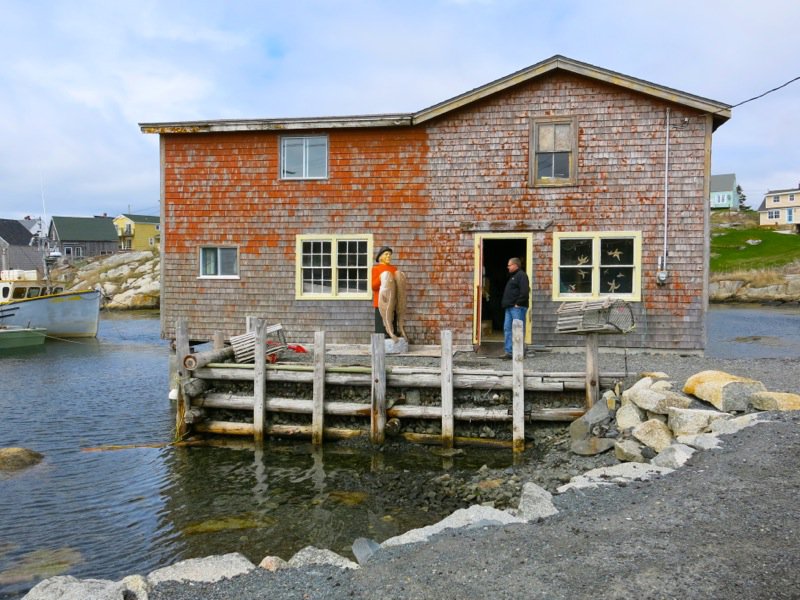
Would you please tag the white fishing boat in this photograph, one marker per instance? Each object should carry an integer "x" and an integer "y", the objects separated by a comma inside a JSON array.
[{"x": 31, "y": 301}]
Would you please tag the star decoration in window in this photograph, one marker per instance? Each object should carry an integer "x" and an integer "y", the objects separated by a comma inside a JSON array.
[
  {"x": 581, "y": 273},
  {"x": 616, "y": 253},
  {"x": 582, "y": 260},
  {"x": 613, "y": 286}
]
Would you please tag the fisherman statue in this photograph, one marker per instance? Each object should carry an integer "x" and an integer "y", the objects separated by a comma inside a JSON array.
[{"x": 389, "y": 301}]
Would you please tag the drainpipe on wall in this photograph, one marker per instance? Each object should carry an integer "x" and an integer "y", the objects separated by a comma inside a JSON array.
[{"x": 661, "y": 275}]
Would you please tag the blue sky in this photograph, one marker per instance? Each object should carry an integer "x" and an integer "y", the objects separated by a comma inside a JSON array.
[{"x": 76, "y": 77}]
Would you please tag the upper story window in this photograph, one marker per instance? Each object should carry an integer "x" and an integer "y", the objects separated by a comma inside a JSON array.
[
  {"x": 304, "y": 157},
  {"x": 791, "y": 197},
  {"x": 597, "y": 264},
  {"x": 553, "y": 160},
  {"x": 219, "y": 262},
  {"x": 335, "y": 267},
  {"x": 776, "y": 198}
]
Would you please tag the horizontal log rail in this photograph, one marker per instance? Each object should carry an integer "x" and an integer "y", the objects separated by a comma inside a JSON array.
[{"x": 198, "y": 371}]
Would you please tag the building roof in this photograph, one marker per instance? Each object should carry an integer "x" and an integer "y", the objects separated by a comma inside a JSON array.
[
  {"x": 142, "y": 218},
  {"x": 85, "y": 229},
  {"x": 788, "y": 190},
  {"x": 720, "y": 112},
  {"x": 14, "y": 232},
  {"x": 723, "y": 183}
]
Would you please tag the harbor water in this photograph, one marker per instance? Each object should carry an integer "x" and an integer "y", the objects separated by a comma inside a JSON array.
[{"x": 111, "y": 498}]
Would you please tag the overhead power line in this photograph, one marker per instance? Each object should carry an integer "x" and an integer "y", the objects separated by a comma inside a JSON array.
[{"x": 765, "y": 93}]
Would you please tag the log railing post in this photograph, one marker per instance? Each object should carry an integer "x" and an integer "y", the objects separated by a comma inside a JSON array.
[
  {"x": 378, "y": 397},
  {"x": 592, "y": 370},
  {"x": 318, "y": 409},
  {"x": 183, "y": 403},
  {"x": 219, "y": 340},
  {"x": 518, "y": 387},
  {"x": 259, "y": 380},
  {"x": 447, "y": 389}
]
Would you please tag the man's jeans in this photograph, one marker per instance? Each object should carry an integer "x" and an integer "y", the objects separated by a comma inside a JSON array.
[{"x": 513, "y": 313}]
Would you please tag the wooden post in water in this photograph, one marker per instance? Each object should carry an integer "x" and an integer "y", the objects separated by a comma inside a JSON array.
[
  {"x": 181, "y": 350},
  {"x": 447, "y": 389},
  {"x": 318, "y": 410},
  {"x": 518, "y": 387},
  {"x": 378, "y": 398},
  {"x": 592, "y": 370},
  {"x": 259, "y": 380}
]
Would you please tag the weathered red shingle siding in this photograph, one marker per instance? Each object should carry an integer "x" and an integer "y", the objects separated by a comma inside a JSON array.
[
  {"x": 479, "y": 172},
  {"x": 225, "y": 189},
  {"x": 412, "y": 187}
]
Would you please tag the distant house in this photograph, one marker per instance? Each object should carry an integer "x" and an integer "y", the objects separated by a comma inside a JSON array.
[
  {"x": 723, "y": 192},
  {"x": 598, "y": 181},
  {"x": 79, "y": 237},
  {"x": 138, "y": 232},
  {"x": 779, "y": 209},
  {"x": 16, "y": 251}
]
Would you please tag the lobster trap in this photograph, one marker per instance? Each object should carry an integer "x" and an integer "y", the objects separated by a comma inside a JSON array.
[{"x": 595, "y": 316}]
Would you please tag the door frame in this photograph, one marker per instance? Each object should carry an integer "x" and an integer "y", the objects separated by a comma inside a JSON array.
[{"x": 477, "y": 271}]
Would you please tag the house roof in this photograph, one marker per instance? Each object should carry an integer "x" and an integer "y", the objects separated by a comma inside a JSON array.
[
  {"x": 142, "y": 218},
  {"x": 723, "y": 183},
  {"x": 788, "y": 190},
  {"x": 721, "y": 112},
  {"x": 86, "y": 229},
  {"x": 14, "y": 232}
]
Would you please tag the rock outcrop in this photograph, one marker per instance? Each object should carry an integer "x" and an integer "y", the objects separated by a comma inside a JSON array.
[
  {"x": 128, "y": 280},
  {"x": 16, "y": 459}
]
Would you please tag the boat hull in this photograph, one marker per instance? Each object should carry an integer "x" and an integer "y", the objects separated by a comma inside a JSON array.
[
  {"x": 68, "y": 314},
  {"x": 21, "y": 337}
]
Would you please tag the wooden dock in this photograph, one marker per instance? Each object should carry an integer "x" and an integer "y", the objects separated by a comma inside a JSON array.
[{"x": 201, "y": 374}]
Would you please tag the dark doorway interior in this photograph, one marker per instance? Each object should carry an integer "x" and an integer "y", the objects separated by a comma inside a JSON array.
[{"x": 496, "y": 253}]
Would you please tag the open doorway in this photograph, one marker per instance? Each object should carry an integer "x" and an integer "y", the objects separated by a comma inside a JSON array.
[{"x": 494, "y": 252}]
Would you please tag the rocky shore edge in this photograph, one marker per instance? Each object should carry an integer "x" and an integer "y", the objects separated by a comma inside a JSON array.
[{"x": 652, "y": 429}]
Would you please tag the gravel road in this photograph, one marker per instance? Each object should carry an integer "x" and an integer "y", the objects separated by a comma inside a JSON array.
[{"x": 723, "y": 526}]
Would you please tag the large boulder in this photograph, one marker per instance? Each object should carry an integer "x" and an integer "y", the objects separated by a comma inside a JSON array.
[
  {"x": 724, "y": 391},
  {"x": 653, "y": 434},
  {"x": 775, "y": 401},
  {"x": 208, "y": 569},
  {"x": 687, "y": 421}
]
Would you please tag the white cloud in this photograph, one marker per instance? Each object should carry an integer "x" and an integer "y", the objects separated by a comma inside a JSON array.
[{"x": 77, "y": 77}]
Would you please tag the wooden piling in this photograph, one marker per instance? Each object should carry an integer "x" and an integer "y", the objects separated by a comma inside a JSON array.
[
  {"x": 448, "y": 428},
  {"x": 518, "y": 387},
  {"x": 378, "y": 395},
  {"x": 592, "y": 370},
  {"x": 318, "y": 411},
  {"x": 183, "y": 404},
  {"x": 259, "y": 380}
]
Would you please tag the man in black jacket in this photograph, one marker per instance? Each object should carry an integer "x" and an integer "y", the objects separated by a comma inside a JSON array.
[{"x": 515, "y": 301}]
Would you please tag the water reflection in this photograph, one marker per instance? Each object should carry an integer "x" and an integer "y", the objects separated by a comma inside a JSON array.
[{"x": 278, "y": 499}]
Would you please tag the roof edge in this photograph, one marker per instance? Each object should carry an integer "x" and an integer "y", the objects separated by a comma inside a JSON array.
[
  {"x": 291, "y": 124},
  {"x": 720, "y": 110}
]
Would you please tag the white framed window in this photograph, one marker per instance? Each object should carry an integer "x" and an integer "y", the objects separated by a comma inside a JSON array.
[
  {"x": 791, "y": 197},
  {"x": 335, "y": 267},
  {"x": 790, "y": 215},
  {"x": 553, "y": 160},
  {"x": 774, "y": 214},
  {"x": 776, "y": 198},
  {"x": 219, "y": 261},
  {"x": 304, "y": 157},
  {"x": 594, "y": 264}
]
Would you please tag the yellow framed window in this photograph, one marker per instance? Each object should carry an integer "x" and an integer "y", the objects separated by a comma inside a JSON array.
[
  {"x": 597, "y": 264},
  {"x": 334, "y": 267}
]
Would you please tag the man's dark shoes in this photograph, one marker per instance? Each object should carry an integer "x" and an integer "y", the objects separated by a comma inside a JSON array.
[{"x": 506, "y": 357}]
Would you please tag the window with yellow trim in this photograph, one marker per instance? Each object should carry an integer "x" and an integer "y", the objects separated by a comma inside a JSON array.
[
  {"x": 333, "y": 267},
  {"x": 597, "y": 264}
]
